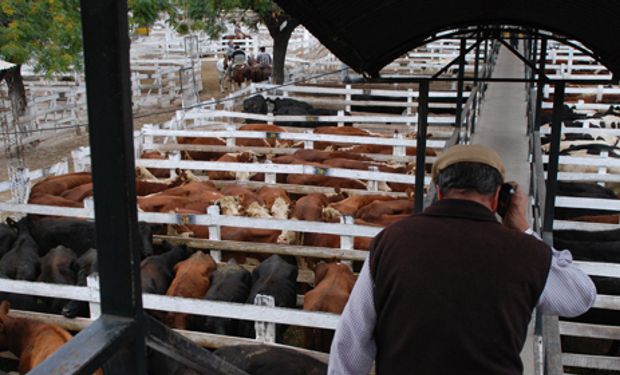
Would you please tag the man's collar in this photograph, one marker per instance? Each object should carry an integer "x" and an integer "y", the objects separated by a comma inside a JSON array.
[{"x": 461, "y": 208}]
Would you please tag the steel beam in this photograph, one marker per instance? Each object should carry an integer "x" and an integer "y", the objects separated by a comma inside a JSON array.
[
  {"x": 420, "y": 166},
  {"x": 554, "y": 157}
]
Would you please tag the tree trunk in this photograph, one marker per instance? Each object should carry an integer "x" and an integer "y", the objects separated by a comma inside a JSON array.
[
  {"x": 17, "y": 92},
  {"x": 280, "y": 27}
]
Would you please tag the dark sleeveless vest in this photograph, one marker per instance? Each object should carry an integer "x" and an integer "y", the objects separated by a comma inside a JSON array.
[{"x": 454, "y": 292}]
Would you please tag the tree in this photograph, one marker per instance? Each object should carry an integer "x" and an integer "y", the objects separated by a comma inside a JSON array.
[
  {"x": 47, "y": 32},
  {"x": 209, "y": 14}
]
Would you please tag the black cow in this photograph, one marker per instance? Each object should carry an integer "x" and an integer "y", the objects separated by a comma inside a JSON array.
[
  {"x": 583, "y": 190},
  {"x": 608, "y": 251},
  {"x": 7, "y": 237},
  {"x": 21, "y": 262},
  {"x": 87, "y": 264},
  {"x": 58, "y": 266},
  {"x": 568, "y": 114},
  {"x": 604, "y": 286},
  {"x": 593, "y": 149},
  {"x": 591, "y": 236},
  {"x": 378, "y": 108},
  {"x": 271, "y": 360},
  {"x": 255, "y": 104},
  {"x": 160, "y": 364},
  {"x": 230, "y": 283},
  {"x": 156, "y": 271},
  {"x": 288, "y": 107},
  {"x": 277, "y": 278},
  {"x": 78, "y": 235}
]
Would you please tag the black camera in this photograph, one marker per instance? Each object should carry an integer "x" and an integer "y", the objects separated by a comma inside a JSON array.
[{"x": 505, "y": 196}]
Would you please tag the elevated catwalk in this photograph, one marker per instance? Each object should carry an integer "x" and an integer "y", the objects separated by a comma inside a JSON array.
[
  {"x": 502, "y": 123},
  {"x": 502, "y": 126}
]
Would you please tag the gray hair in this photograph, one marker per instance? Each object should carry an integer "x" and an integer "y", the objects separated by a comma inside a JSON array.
[{"x": 478, "y": 177}]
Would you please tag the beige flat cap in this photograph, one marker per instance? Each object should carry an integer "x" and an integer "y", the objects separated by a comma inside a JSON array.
[{"x": 468, "y": 153}]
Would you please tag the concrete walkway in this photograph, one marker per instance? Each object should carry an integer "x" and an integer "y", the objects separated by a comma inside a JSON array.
[
  {"x": 502, "y": 123},
  {"x": 502, "y": 126}
]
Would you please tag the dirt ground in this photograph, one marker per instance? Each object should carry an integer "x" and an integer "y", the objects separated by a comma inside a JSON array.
[{"x": 59, "y": 146}]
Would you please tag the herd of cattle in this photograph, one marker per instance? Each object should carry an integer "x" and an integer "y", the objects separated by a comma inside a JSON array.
[
  {"x": 62, "y": 250},
  {"x": 594, "y": 246}
]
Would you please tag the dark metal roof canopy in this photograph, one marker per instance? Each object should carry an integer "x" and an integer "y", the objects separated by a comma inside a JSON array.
[{"x": 367, "y": 35}]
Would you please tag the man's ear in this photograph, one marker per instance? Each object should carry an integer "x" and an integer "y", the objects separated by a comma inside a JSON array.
[
  {"x": 439, "y": 194},
  {"x": 495, "y": 200}
]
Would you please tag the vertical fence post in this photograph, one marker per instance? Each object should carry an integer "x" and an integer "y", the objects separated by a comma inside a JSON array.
[
  {"x": 20, "y": 184},
  {"x": 265, "y": 331},
  {"x": 214, "y": 232},
  {"x": 554, "y": 156},
  {"x": 92, "y": 282},
  {"x": 459, "y": 93},
  {"x": 421, "y": 146},
  {"x": 541, "y": 82},
  {"x": 347, "y": 242}
]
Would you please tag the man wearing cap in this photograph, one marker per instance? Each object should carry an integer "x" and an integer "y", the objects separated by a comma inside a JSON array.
[{"x": 452, "y": 290}]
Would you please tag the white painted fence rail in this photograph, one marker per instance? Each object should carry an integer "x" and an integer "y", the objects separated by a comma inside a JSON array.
[
  {"x": 207, "y": 220},
  {"x": 270, "y": 118},
  {"x": 588, "y": 203},
  {"x": 54, "y": 170},
  {"x": 181, "y": 305},
  {"x": 333, "y": 138}
]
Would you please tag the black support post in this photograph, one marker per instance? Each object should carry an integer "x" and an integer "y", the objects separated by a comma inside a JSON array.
[
  {"x": 106, "y": 57},
  {"x": 420, "y": 164},
  {"x": 554, "y": 157},
  {"x": 459, "y": 91},
  {"x": 477, "y": 86},
  {"x": 541, "y": 82}
]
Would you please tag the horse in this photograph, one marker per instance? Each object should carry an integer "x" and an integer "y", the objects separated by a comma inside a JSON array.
[
  {"x": 223, "y": 80},
  {"x": 259, "y": 72},
  {"x": 239, "y": 74}
]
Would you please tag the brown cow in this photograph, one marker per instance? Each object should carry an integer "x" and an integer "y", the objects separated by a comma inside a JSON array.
[
  {"x": 56, "y": 185},
  {"x": 191, "y": 188},
  {"x": 201, "y": 155},
  {"x": 264, "y": 142},
  {"x": 320, "y": 156},
  {"x": 338, "y": 130},
  {"x": 385, "y": 150},
  {"x": 318, "y": 180},
  {"x": 374, "y": 210},
  {"x": 276, "y": 200},
  {"x": 242, "y": 157},
  {"x": 333, "y": 284},
  {"x": 53, "y": 200},
  {"x": 191, "y": 280},
  {"x": 79, "y": 193},
  {"x": 157, "y": 172},
  {"x": 350, "y": 205},
  {"x": 247, "y": 198},
  {"x": 31, "y": 341},
  {"x": 363, "y": 165}
]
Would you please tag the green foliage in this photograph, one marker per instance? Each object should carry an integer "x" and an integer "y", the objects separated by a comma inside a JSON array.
[
  {"x": 146, "y": 12},
  {"x": 46, "y": 31}
]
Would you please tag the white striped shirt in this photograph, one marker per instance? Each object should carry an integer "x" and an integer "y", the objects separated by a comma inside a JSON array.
[{"x": 568, "y": 292}]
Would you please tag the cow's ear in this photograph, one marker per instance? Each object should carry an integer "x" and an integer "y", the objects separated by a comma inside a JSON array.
[
  {"x": 5, "y": 306},
  {"x": 319, "y": 272}
]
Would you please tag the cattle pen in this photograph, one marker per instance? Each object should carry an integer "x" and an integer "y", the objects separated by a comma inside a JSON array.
[{"x": 115, "y": 300}]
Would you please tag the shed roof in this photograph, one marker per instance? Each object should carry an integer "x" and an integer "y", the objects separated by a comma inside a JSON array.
[
  {"x": 367, "y": 35},
  {"x": 4, "y": 65}
]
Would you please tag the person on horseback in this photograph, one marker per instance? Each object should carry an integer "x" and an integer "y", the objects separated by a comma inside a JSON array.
[
  {"x": 237, "y": 58},
  {"x": 263, "y": 58}
]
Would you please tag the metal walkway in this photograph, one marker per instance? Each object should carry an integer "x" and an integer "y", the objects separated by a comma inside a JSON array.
[{"x": 502, "y": 126}]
